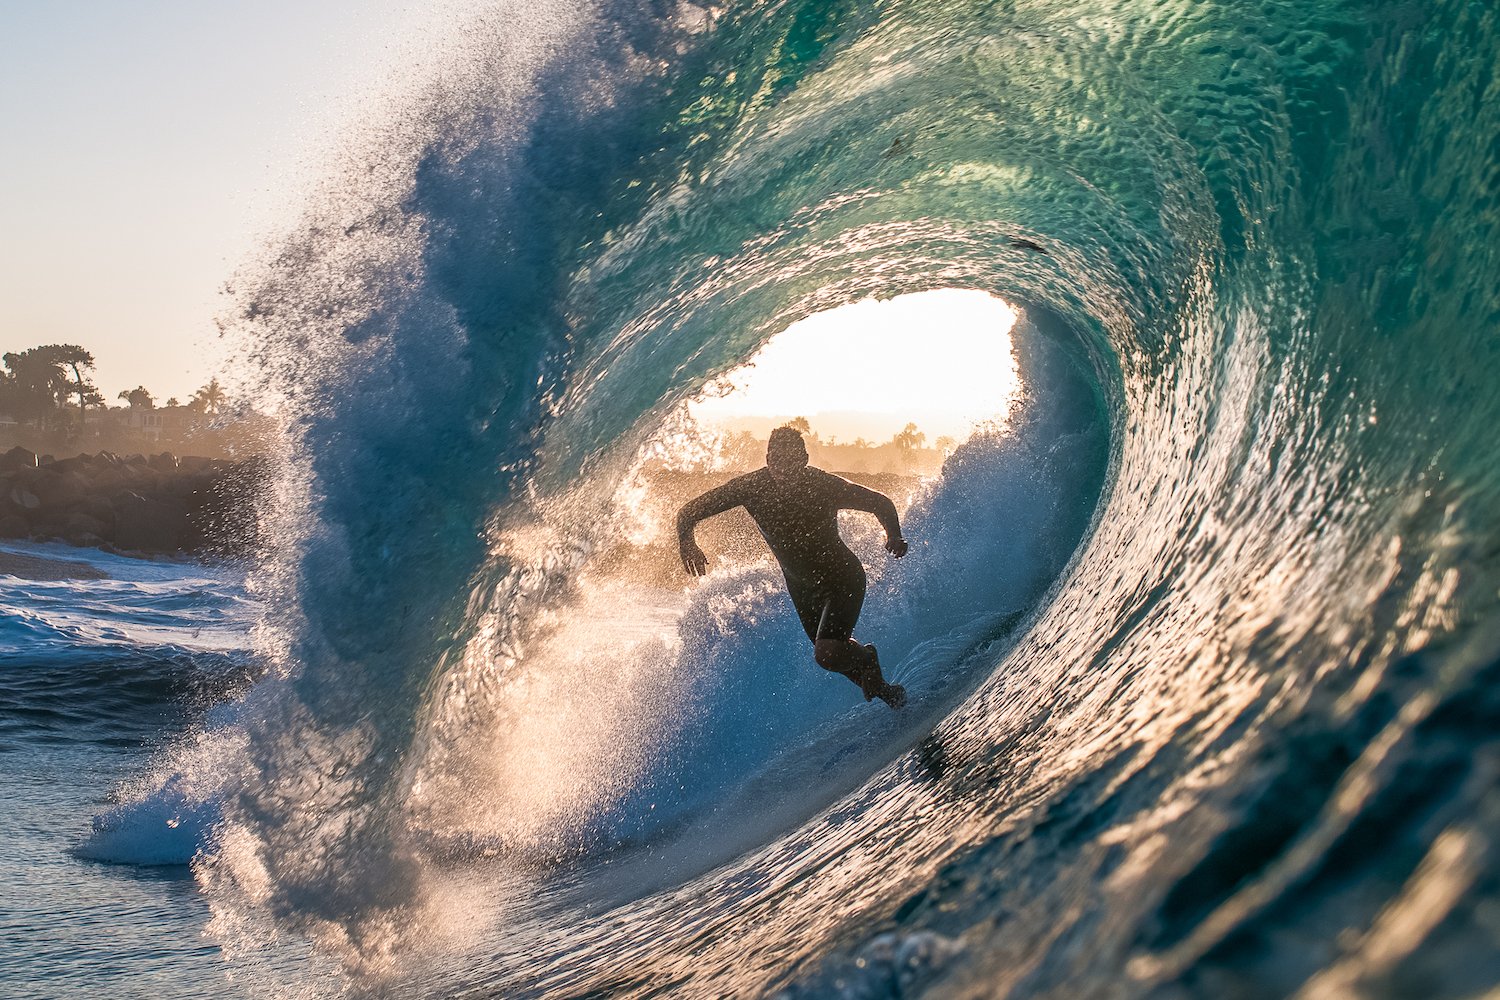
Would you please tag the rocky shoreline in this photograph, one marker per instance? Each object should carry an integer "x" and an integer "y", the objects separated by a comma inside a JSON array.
[{"x": 155, "y": 506}]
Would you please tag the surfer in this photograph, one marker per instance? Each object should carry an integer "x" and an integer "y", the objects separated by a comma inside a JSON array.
[{"x": 796, "y": 509}]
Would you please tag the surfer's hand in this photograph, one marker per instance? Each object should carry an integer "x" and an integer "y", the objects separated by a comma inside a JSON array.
[
  {"x": 896, "y": 546},
  {"x": 693, "y": 559}
]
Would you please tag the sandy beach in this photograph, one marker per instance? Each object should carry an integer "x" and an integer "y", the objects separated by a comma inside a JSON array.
[{"x": 40, "y": 568}]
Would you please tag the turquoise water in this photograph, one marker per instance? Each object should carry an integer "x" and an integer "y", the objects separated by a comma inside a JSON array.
[{"x": 1209, "y": 712}]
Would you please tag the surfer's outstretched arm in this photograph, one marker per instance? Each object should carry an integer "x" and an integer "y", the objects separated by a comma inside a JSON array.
[
  {"x": 857, "y": 497},
  {"x": 715, "y": 501}
]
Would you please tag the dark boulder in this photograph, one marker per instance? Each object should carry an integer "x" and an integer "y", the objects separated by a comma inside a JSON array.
[
  {"x": 78, "y": 463},
  {"x": 24, "y": 498},
  {"x": 60, "y": 491},
  {"x": 14, "y": 526},
  {"x": 106, "y": 478},
  {"x": 17, "y": 458},
  {"x": 80, "y": 529},
  {"x": 150, "y": 525},
  {"x": 99, "y": 508},
  {"x": 80, "y": 523},
  {"x": 186, "y": 486}
]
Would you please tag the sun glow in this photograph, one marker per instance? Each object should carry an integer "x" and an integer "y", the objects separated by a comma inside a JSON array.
[{"x": 939, "y": 359}]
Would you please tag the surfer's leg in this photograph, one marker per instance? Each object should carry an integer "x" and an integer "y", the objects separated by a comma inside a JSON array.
[
  {"x": 893, "y": 695},
  {"x": 842, "y": 654},
  {"x": 828, "y": 611},
  {"x": 861, "y": 665},
  {"x": 833, "y": 648},
  {"x": 839, "y": 601},
  {"x": 847, "y": 657}
]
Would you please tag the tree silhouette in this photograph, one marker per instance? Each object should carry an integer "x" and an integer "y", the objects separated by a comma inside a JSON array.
[
  {"x": 799, "y": 424},
  {"x": 210, "y": 398},
  {"x": 37, "y": 384},
  {"x": 138, "y": 398},
  {"x": 907, "y": 442},
  {"x": 909, "y": 439},
  {"x": 77, "y": 359}
]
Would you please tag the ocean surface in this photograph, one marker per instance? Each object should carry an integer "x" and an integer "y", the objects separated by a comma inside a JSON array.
[{"x": 1203, "y": 644}]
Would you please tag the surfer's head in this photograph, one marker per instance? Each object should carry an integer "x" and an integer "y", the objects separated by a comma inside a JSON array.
[{"x": 786, "y": 453}]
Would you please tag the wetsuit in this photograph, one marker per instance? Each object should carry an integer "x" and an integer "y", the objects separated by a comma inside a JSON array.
[{"x": 798, "y": 518}]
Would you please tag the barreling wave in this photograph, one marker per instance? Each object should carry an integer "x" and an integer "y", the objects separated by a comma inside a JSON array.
[{"x": 1253, "y": 245}]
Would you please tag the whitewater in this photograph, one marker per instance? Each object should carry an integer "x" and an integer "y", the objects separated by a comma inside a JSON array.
[{"x": 1203, "y": 642}]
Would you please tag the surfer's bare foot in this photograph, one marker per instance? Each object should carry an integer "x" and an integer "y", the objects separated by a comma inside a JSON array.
[{"x": 894, "y": 695}]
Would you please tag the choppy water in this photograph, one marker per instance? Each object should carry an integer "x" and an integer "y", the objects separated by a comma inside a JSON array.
[
  {"x": 96, "y": 678},
  {"x": 1203, "y": 647}
]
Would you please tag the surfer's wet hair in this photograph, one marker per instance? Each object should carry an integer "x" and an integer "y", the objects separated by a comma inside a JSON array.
[{"x": 786, "y": 439}]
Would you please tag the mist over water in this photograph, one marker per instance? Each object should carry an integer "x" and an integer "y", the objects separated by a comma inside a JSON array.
[{"x": 1202, "y": 643}]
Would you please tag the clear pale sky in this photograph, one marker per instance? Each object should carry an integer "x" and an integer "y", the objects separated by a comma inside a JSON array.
[{"x": 148, "y": 146}]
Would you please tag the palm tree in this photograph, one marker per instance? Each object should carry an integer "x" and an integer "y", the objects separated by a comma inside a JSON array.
[
  {"x": 211, "y": 397},
  {"x": 909, "y": 440},
  {"x": 804, "y": 427}
]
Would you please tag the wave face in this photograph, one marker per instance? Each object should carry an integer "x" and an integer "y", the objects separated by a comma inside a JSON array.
[{"x": 1239, "y": 741}]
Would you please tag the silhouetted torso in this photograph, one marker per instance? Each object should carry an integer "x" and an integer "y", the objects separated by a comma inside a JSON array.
[{"x": 797, "y": 516}]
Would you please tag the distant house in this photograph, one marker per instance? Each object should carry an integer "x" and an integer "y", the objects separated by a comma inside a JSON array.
[
  {"x": 156, "y": 422},
  {"x": 145, "y": 420},
  {"x": 176, "y": 419}
]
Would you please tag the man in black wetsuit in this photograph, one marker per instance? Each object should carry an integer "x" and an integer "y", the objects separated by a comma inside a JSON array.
[{"x": 796, "y": 509}]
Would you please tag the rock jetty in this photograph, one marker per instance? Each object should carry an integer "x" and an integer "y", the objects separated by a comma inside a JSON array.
[{"x": 137, "y": 505}]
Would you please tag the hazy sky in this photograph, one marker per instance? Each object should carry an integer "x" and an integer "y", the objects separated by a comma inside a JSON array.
[
  {"x": 941, "y": 359},
  {"x": 147, "y": 147}
]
